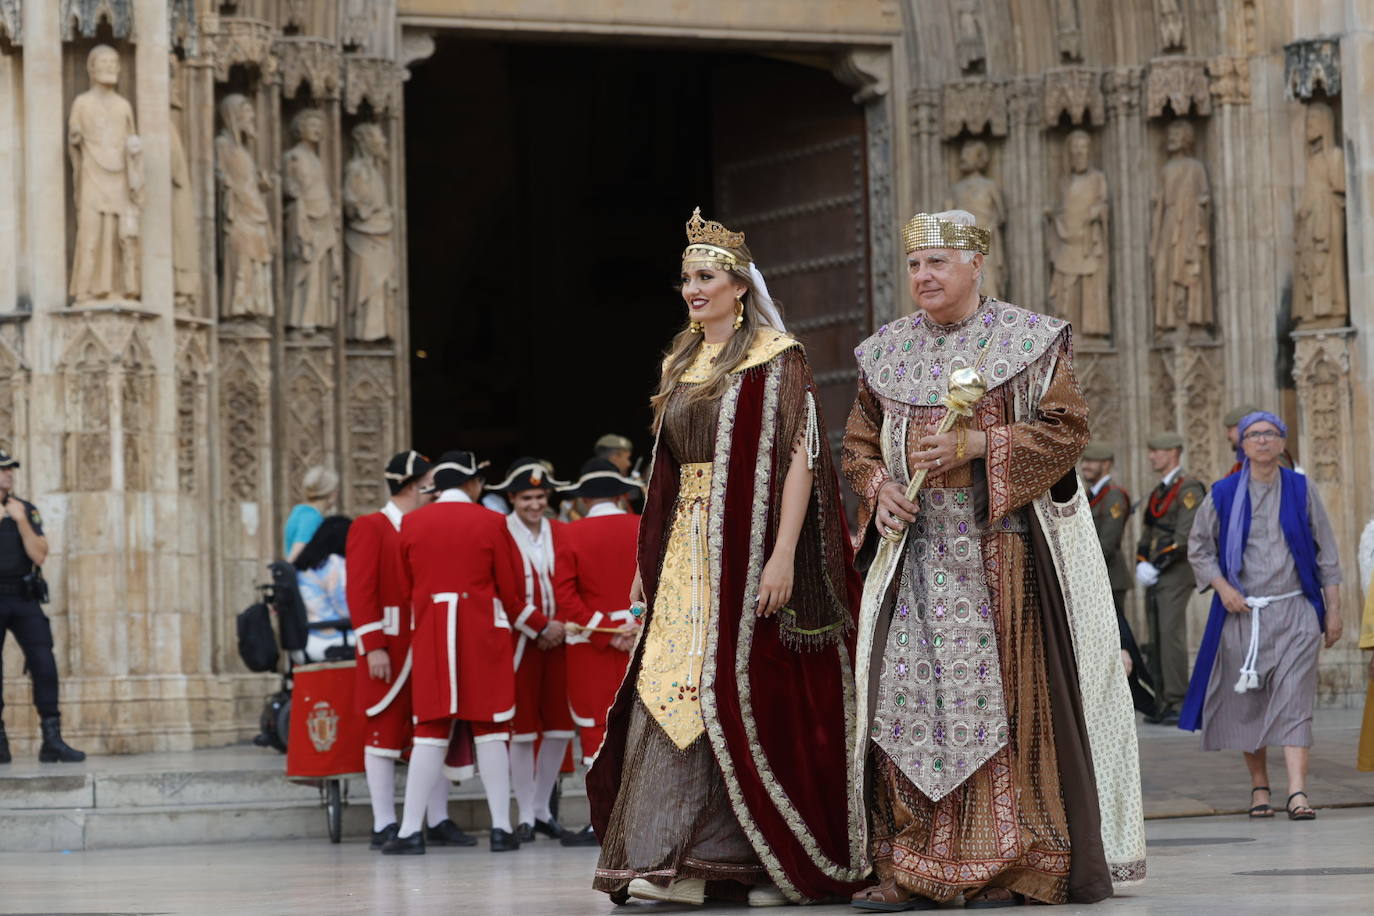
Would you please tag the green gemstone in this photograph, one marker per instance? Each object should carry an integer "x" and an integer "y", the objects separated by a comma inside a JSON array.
[
  {"x": 906, "y": 347},
  {"x": 940, "y": 578},
  {"x": 982, "y": 642},
  {"x": 982, "y": 702},
  {"x": 1028, "y": 345},
  {"x": 934, "y": 398},
  {"x": 939, "y": 701},
  {"x": 901, "y": 699},
  {"x": 938, "y": 641},
  {"x": 938, "y": 765},
  {"x": 940, "y": 341},
  {"x": 902, "y": 639}
]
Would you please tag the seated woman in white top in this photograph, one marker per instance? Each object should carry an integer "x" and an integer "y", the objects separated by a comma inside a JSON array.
[{"x": 321, "y": 580}]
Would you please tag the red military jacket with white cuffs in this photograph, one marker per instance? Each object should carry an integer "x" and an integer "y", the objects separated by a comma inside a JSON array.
[
  {"x": 378, "y": 603},
  {"x": 594, "y": 573},
  {"x": 537, "y": 558},
  {"x": 462, "y": 573}
]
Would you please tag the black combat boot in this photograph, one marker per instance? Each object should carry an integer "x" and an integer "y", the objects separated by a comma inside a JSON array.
[
  {"x": 4, "y": 745},
  {"x": 54, "y": 749}
]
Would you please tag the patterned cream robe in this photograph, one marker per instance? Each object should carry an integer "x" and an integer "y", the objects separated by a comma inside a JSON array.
[{"x": 987, "y": 768}]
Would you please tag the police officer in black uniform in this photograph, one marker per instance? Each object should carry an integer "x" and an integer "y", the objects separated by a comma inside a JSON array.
[{"x": 22, "y": 551}]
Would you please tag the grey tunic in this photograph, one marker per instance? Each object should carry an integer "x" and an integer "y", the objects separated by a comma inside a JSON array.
[{"x": 1280, "y": 711}]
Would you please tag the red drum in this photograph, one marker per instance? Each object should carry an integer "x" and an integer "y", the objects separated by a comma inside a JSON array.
[{"x": 327, "y": 728}]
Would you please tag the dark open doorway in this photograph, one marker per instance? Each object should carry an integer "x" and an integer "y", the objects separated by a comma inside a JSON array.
[{"x": 547, "y": 188}]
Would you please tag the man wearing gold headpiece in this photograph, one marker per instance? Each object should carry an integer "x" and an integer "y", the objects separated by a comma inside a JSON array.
[{"x": 995, "y": 749}]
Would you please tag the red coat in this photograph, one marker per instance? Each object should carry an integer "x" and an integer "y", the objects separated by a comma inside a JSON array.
[
  {"x": 378, "y": 605},
  {"x": 540, "y": 604},
  {"x": 592, "y": 578},
  {"x": 461, "y": 567}
]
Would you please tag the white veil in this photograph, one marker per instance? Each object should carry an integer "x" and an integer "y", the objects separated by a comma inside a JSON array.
[{"x": 768, "y": 310}]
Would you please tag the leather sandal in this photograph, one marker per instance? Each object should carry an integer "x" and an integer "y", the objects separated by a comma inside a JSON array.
[
  {"x": 887, "y": 897},
  {"x": 1263, "y": 809},
  {"x": 1300, "y": 812},
  {"x": 983, "y": 901}
]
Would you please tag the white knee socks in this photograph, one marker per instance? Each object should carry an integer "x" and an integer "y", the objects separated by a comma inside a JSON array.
[
  {"x": 426, "y": 766},
  {"x": 551, "y": 754},
  {"x": 493, "y": 763},
  {"x": 436, "y": 811},
  {"x": 522, "y": 779},
  {"x": 381, "y": 786}
]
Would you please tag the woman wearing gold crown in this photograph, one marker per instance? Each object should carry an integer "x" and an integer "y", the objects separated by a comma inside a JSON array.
[{"x": 723, "y": 770}]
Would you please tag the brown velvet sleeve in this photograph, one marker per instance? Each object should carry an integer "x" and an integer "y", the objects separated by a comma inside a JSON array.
[
  {"x": 1027, "y": 458},
  {"x": 861, "y": 455},
  {"x": 817, "y": 613}
]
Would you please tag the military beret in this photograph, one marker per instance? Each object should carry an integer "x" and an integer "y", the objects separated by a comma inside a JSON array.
[
  {"x": 1165, "y": 440},
  {"x": 1099, "y": 451},
  {"x": 1235, "y": 414}
]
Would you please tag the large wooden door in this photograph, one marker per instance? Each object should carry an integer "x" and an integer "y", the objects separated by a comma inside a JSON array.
[{"x": 790, "y": 172}]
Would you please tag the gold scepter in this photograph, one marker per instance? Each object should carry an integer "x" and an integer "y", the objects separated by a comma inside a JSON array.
[{"x": 966, "y": 387}]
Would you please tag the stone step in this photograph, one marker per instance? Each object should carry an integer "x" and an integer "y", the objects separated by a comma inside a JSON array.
[{"x": 57, "y": 830}]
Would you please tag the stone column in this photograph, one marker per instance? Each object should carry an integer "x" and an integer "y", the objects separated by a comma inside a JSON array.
[{"x": 1023, "y": 184}]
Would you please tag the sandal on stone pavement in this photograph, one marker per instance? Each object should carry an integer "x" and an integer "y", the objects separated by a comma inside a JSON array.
[
  {"x": 981, "y": 900},
  {"x": 1263, "y": 809},
  {"x": 887, "y": 897},
  {"x": 1301, "y": 812}
]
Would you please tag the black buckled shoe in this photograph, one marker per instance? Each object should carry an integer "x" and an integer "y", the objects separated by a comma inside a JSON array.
[
  {"x": 380, "y": 837},
  {"x": 550, "y": 828},
  {"x": 447, "y": 833},
  {"x": 584, "y": 837},
  {"x": 504, "y": 840},
  {"x": 54, "y": 749},
  {"x": 524, "y": 833},
  {"x": 4, "y": 745},
  {"x": 413, "y": 845}
]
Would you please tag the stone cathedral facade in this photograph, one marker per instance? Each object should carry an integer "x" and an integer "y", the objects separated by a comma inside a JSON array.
[{"x": 204, "y": 290}]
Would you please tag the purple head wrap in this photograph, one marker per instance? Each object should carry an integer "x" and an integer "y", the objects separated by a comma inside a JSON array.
[{"x": 1240, "y": 506}]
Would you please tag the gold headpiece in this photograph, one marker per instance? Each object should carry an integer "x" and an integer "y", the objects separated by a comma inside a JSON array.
[
  {"x": 710, "y": 243},
  {"x": 927, "y": 231}
]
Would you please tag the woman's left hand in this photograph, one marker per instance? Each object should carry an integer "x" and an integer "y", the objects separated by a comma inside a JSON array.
[
  {"x": 775, "y": 585},
  {"x": 1334, "y": 627},
  {"x": 938, "y": 454}
]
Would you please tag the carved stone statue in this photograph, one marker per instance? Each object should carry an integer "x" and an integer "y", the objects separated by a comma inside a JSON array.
[
  {"x": 312, "y": 235},
  {"x": 969, "y": 36},
  {"x": 1078, "y": 237},
  {"x": 1181, "y": 236},
  {"x": 107, "y": 179},
  {"x": 245, "y": 223},
  {"x": 1319, "y": 295},
  {"x": 980, "y": 195},
  {"x": 185, "y": 237},
  {"x": 371, "y": 259},
  {"x": 1171, "y": 25}
]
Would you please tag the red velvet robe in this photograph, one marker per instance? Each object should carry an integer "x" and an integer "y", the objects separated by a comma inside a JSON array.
[{"x": 779, "y": 719}]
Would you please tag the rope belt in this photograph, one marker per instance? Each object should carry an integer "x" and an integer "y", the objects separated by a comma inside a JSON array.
[{"x": 1249, "y": 677}]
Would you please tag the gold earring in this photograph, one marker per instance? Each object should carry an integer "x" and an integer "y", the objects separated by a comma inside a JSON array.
[
  {"x": 739, "y": 313},
  {"x": 695, "y": 327}
]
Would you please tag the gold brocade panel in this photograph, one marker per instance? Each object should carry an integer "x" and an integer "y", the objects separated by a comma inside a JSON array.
[{"x": 670, "y": 672}]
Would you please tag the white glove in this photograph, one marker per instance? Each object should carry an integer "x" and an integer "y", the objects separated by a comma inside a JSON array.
[{"x": 1146, "y": 574}]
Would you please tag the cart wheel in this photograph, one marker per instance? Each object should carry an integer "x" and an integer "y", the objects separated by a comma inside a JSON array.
[
  {"x": 333, "y": 809},
  {"x": 284, "y": 724}
]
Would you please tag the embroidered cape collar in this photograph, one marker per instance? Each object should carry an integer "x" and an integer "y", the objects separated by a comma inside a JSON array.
[
  {"x": 767, "y": 344},
  {"x": 909, "y": 360}
]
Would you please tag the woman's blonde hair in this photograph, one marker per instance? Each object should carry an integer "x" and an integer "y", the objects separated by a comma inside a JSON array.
[
  {"x": 685, "y": 345},
  {"x": 320, "y": 482}
]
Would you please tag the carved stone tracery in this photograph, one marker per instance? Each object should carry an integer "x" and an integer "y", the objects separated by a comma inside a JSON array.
[
  {"x": 136, "y": 411},
  {"x": 974, "y": 106},
  {"x": 1312, "y": 65},
  {"x": 372, "y": 80},
  {"x": 1230, "y": 80},
  {"x": 371, "y": 427},
  {"x": 308, "y": 60},
  {"x": 242, "y": 42},
  {"x": 1179, "y": 84},
  {"x": 85, "y": 381},
  {"x": 82, "y": 18},
  {"x": 242, "y": 419},
  {"x": 1076, "y": 92}
]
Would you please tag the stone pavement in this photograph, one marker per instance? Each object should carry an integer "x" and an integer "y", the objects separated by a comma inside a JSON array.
[{"x": 1215, "y": 865}]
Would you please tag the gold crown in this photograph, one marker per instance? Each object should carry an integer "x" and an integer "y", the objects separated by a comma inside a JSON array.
[
  {"x": 699, "y": 231},
  {"x": 710, "y": 243},
  {"x": 927, "y": 231}
]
